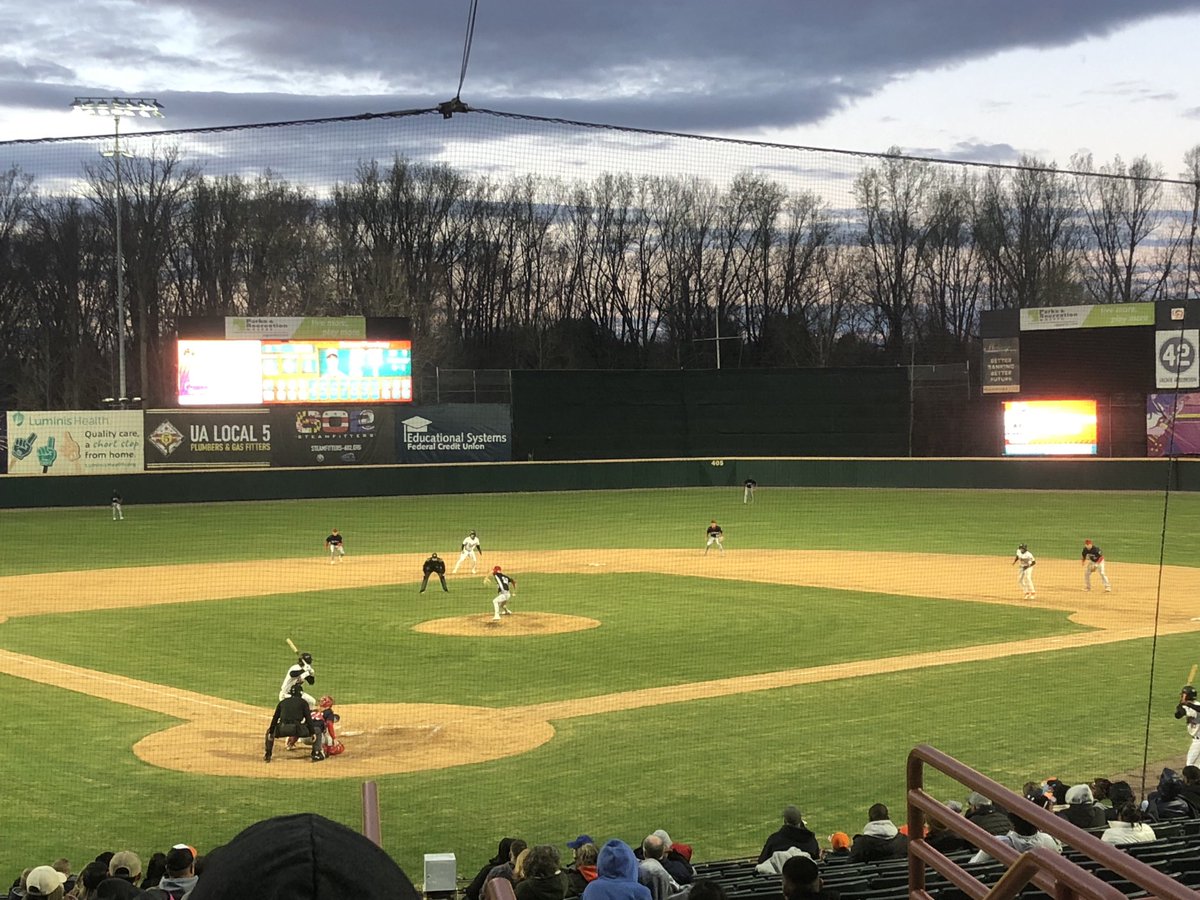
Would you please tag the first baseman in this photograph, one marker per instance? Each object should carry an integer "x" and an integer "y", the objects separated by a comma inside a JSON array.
[
  {"x": 1027, "y": 562},
  {"x": 715, "y": 536},
  {"x": 1188, "y": 709},
  {"x": 1093, "y": 560}
]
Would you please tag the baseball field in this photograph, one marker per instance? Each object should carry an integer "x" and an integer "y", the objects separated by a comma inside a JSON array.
[{"x": 640, "y": 683}]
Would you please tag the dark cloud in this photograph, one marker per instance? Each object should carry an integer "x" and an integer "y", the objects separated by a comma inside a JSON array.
[
  {"x": 970, "y": 151},
  {"x": 704, "y": 65}
]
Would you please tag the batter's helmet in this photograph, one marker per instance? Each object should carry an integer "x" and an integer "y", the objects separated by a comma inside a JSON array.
[
  {"x": 495, "y": 569},
  {"x": 306, "y": 657},
  {"x": 326, "y": 702},
  {"x": 1189, "y": 692}
]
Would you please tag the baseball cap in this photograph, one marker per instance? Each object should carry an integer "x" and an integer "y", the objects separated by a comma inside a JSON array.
[
  {"x": 43, "y": 881},
  {"x": 580, "y": 841},
  {"x": 977, "y": 799},
  {"x": 180, "y": 858},
  {"x": 125, "y": 864}
]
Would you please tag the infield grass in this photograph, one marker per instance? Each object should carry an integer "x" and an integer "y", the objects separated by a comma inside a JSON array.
[{"x": 714, "y": 773}]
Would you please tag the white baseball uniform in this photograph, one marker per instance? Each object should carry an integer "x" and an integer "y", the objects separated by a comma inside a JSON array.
[
  {"x": 470, "y": 547},
  {"x": 297, "y": 674},
  {"x": 1025, "y": 561},
  {"x": 1193, "y": 729}
]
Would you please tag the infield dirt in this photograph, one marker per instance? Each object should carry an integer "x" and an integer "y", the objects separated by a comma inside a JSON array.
[{"x": 391, "y": 738}]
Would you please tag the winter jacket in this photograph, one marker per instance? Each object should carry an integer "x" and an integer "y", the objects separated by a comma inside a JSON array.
[
  {"x": 879, "y": 840},
  {"x": 774, "y": 865},
  {"x": 791, "y": 836},
  {"x": 1127, "y": 833},
  {"x": 616, "y": 875},
  {"x": 548, "y": 887},
  {"x": 1084, "y": 815}
]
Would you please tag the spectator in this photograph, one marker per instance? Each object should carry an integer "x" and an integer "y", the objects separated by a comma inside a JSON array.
[
  {"x": 507, "y": 869},
  {"x": 706, "y": 889},
  {"x": 1190, "y": 791},
  {"x": 63, "y": 865},
  {"x": 543, "y": 878},
  {"x": 794, "y": 833},
  {"x": 118, "y": 889},
  {"x": 678, "y": 863},
  {"x": 839, "y": 844},
  {"x": 1082, "y": 810},
  {"x": 156, "y": 868},
  {"x": 1128, "y": 827},
  {"x": 941, "y": 838},
  {"x": 1119, "y": 793},
  {"x": 981, "y": 812},
  {"x": 1167, "y": 802},
  {"x": 617, "y": 875},
  {"x": 44, "y": 881},
  {"x": 299, "y": 857},
  {"x": 502, "y": 856},
  {"x": 1036, "y": 795},
  {"x": 880, "y": 838},
  {"x": 802, "y": 881},
  {"x": 180, "y": 874},
  {"x": 125, "y": 865},
  {"x": 519, "y": 866},
  {"x": 583, "y": 872},
  {"x": 1021, "y": 836},
  {"x": 89, "y": 879},
  {"x": 651, "y": 872},
  {"x": 1100, "y": 789}
]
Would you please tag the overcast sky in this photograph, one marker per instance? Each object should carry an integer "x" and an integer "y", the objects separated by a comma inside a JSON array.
[{"x": 963, "y": 79}]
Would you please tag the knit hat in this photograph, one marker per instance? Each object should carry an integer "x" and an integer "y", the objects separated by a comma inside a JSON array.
[
  {"x": 301, "y": 857},
  {"x": 1080, "y": 793},
  {"x": 839, "y": 840}
]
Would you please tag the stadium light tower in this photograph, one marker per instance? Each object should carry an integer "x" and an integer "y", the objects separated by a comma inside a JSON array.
[{"x": 116, "y": 108}]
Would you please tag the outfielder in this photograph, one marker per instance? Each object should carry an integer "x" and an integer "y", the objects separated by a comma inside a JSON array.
[
  {"x": 1189, "y": 709},
  {"x": 1093, "y": 560},
  {"x": 500, "y": 601},
  {"x": 715, "y": 536},
  {"x": 748, "y": 490},
  {"x": 1027, "y": 562},
  {"x": 470, "y": 547},
  {"x": 117, "y": 512},
  {"x": 337, "y": 549}
]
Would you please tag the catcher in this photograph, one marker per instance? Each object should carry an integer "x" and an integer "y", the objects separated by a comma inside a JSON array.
[
  {"x": 332, "y": 745},
  {"x": 506, "y": 586}
]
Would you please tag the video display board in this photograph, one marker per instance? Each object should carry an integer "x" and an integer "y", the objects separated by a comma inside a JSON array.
[
  {"x": 1050, "y": 428},
  {"x": 278, "y": 372}
]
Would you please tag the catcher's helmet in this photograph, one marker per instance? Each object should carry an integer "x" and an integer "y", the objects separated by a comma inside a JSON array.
[
  {"x": 306, "y": 657},
  {"x": 495, "y": 569},
  {"x": 337, "y": 749},
  {"x": 326, "y": 702},
  {"x": 1189, "y": 692}
]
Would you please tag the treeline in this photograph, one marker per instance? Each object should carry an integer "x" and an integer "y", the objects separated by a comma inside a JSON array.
[{"x": 532, "y": 272}]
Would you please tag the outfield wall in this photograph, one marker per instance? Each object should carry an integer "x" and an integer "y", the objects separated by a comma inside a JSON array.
[{"x": 371, "y": 481}]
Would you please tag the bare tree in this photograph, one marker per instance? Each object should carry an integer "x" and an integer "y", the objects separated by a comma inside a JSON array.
[
  {"x": 951, "y": 271},
  {"x": 893, "y": 199}
]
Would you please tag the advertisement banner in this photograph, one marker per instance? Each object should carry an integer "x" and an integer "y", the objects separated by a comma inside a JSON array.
[
  {"x": 1173, "y": 424},
  {"x": 1110, "y": 315},
  {"x": 455, "y": 432},
  {"x": 343, "y": 435},
  {"x": 75, "y": 442},
  {"x": 1001, "y": 365},
  {"x": 1176, "y": 364},
  {"x": 208, "y": 438},
  {"x": 286, "y": 328},
  {"x": 3, "y": 444}
]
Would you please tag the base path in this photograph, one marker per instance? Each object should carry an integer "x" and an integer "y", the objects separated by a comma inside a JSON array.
[{"x": 223, "y": 737}]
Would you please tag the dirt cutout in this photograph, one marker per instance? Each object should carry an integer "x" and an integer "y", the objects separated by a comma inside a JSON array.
[{"x": 222, "y": 737}]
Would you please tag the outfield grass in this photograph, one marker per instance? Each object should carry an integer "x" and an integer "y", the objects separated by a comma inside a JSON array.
[{"x": 714, "y": 772}]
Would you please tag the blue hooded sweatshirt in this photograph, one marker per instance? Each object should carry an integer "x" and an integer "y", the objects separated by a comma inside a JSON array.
[{"x": 616, "y": 875}]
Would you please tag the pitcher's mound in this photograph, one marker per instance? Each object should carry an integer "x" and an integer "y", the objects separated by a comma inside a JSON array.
[{"x": 519, "y": 624}]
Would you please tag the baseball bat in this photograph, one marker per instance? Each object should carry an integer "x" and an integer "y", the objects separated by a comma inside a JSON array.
[
  {"x": 293, "y": 646},
  {"x": 1192, "y": 675}
]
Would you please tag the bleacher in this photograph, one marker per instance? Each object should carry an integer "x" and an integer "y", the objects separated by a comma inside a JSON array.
[{"x": 1176, "y": 853}]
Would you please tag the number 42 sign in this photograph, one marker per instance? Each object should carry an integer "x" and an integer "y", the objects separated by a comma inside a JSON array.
[{"x": 1178, "y": 364}]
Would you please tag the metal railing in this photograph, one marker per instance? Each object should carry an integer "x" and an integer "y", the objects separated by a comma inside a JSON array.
[{"x": 1050, "y": 871}]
